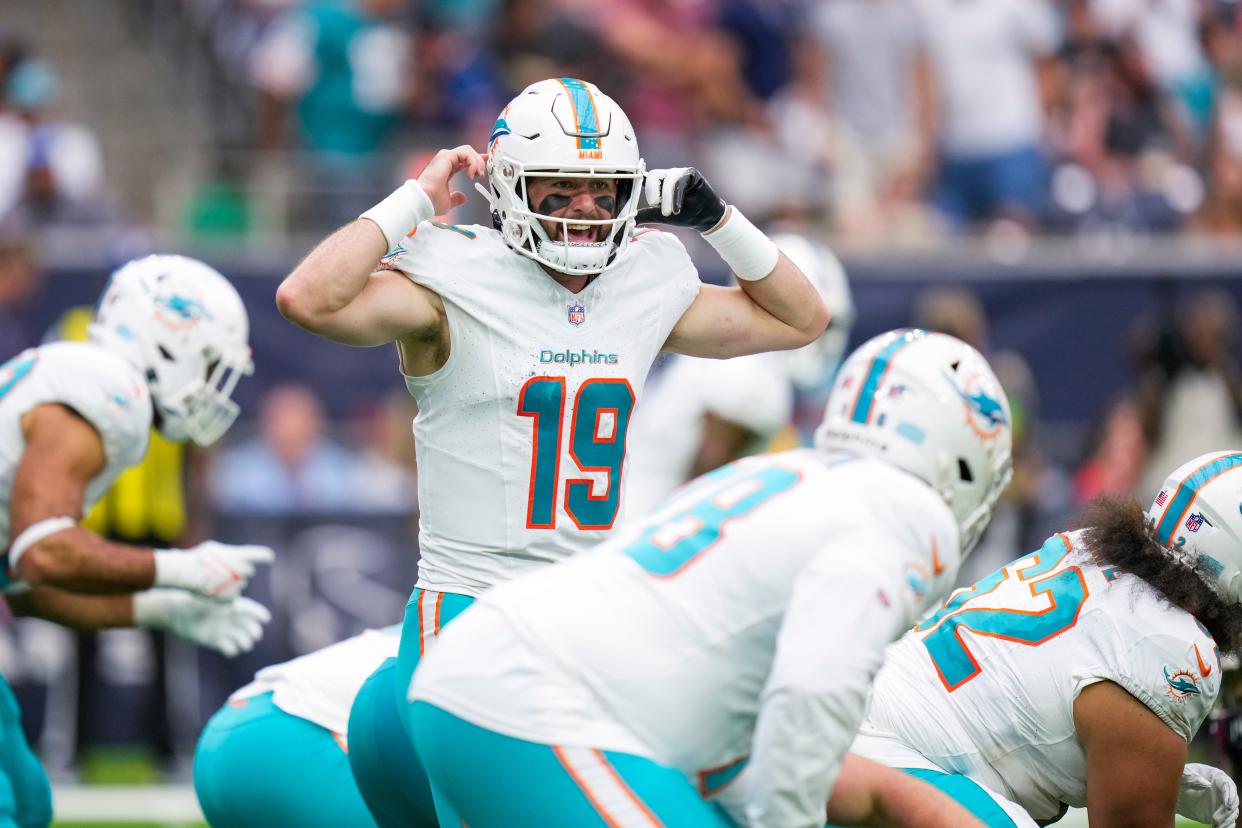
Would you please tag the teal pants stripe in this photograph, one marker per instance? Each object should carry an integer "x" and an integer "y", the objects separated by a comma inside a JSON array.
[
  {"x": 381, "y": 754},
  {"x": 25, "y": 794},
  {"x": 494, "y": 781},
  {"x": 967, "y": 793},
  {"x": 257, "y": 766}
]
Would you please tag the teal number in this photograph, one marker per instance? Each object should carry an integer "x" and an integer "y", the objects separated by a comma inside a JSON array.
[
  {"x": 543, "y": 398},
  {"x": 1066, "y": 593},
  {"x": 597, "y": 443},
  {"x": 601, "y": 418},
  {"x": 15, "y": 370},
  {"x": 667, "y": 547}
]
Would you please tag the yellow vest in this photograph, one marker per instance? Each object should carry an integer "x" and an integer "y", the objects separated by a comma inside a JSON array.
[{"x": 147, "y": 501}]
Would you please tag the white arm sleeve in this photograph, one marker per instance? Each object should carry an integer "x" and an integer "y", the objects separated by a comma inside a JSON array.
[{"x": 842, "y": 614}]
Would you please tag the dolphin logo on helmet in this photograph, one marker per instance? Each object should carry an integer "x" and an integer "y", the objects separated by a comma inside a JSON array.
[
  {"x": 183, "y": 325},
  {"x": 966, "y": 460}
]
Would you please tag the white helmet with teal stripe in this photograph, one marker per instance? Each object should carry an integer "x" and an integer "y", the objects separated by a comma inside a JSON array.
[
  {"x": 184, "y": 326},
  {"x": 1197, "y": 515},
  {"x": 562, "y": 128},
  {"x": 929, "y": 404},
  {"x": 815, "y": 364}
]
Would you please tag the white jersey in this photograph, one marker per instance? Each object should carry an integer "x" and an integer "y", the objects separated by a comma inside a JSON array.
[
  {"x": 743, "y": 622},
  {"x": 320, "y": 687},
  {"x": 986, "y": 686},
  {"x": 521, "y": 435},
  {"x": 754, "y": 392},
  {"x": 99, "y": 386}
]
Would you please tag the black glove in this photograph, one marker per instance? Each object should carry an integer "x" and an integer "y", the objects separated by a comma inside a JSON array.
[{"x": 681, "y": 196}]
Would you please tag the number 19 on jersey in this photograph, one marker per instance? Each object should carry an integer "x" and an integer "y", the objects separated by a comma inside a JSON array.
[{"x": 597, "y": 425}]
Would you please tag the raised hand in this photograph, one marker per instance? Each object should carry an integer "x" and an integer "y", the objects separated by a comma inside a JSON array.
[
  {"x": 681, "y": 196},
  {"x": 438, "y": 173},
  {"x": 211, "y": 569},
  {"x": 228, "y": 627}
]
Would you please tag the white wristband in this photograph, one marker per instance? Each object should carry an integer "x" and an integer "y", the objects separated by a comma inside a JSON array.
[
  {"x": 743, "y": 246},
  {"x": 34, "y": 533},
  {"x": 402, "y": 211},
  {"x": 175, "y": 568},
  {"x": 151, "y": 608}
]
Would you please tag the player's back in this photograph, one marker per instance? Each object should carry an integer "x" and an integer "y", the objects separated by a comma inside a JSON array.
[
  {"x": 986, "y": 685},
  {"x": 752, "y": 392},
  {"x": 521, "y": 435},
  {"x": 672, "y": 623},
  {"x": 320, "y": 686},
  {"x": 97, "y": 385}
]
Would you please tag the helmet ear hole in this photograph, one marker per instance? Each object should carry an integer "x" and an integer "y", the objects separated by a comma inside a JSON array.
[
  {"x": 963, "y": 471},
  {"x": 954, "y": 365},
  {"x": 165, "y": 353}
]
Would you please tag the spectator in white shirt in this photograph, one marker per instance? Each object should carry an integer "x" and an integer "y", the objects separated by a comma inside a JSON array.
[
  {"x": 869, "y": 60},
  {"x": 50, "y": 169},
  {"x": 986, "y": 56}
]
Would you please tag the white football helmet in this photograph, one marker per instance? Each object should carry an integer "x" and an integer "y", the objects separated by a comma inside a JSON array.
[
  {"x": 929, "y": 404},
  {"x": 813, "y": 365},
  {"x": 183, "y": 325},
  {"x": 1197, "y": 515},
  {"x": 562, "y": 128}
]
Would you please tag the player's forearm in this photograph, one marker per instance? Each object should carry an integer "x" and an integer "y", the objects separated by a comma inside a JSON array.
[
  {"x": 1129, "y": 815},
  {"x": 81, "y": 561},
  {"x": 85, "y": 613},
  {"x": 868, "y": 793},
  {"x": 797, "y": 749},
  {"x": 332, "y": 275},
  {"x": 770, "y": 281},
  {"x": 917, "y": 805},
  {"x": 815, "y": 697},
  {"x": 790, "y": 299}
]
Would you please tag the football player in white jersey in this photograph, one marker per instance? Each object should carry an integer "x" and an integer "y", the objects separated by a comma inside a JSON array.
[
  {"x": 699, "y": 413},
  {"x": 527, "y": 343},
  {"x": 1075, "y": 676},
  {"x": 169, "y": 342},
  {"x": 275, "y": 753},
  {"x": 719, "y": 653}
]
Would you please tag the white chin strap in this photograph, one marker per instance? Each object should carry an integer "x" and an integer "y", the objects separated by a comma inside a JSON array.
[{"x": 580, "y": 258}]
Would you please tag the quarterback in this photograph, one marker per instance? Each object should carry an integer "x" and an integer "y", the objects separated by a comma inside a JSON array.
[
  {"x": 527, "y": 343},
  {"x": 1075, "y": 676},
  {"x": 169, "y": 342},
  {"x": 717, "y": 656}
]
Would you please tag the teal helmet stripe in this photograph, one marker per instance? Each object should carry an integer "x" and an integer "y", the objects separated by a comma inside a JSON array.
[
  {"x": 584, "y": 112},
  {"x": 875, "y": 373},
  {"x": 1188, "y": 490}
]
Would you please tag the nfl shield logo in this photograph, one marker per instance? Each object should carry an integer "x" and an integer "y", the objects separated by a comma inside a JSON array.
[
  {"x": 577, "y": 314},
  {"x": 1194, "y": 522}
]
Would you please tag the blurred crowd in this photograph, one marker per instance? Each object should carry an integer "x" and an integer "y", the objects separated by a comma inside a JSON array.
[
  {"x": 892, "y": 121},
  {"x": 51, "y": 169},
  {"x": 887, "y": 122}
]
